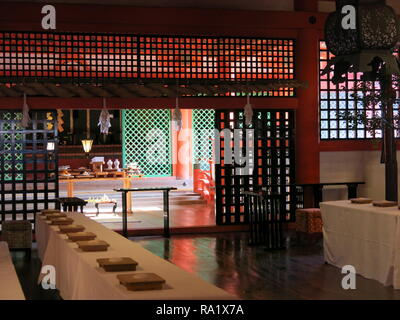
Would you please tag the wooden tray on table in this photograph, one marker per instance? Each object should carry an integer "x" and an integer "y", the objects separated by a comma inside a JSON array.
[
  {"x": 45, "y": 212},
  {"x": 81, "y": 236},
  {"x": 57, "y": 215},
  {"x": 62, "y": 221},
  {"x": 71, "y": 228},
  {"x": 141, "y": 281},
  {"x": 93, "y": 245},
  {"x": 117, "y": 264},
  {"x": 384, "y": 204},
  {"x": 361, "y": 200}
]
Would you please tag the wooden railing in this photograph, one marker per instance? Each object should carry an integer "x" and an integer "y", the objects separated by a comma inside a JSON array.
[{"x": 204, "y": 184}]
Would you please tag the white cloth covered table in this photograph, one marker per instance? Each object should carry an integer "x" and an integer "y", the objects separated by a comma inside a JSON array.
[
  {"x": 10, "y": 288},
  {"x": 365, "y": 237},
  {"x": 78, "y": 275}
]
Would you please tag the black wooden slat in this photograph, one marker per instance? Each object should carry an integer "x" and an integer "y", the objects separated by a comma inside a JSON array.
[
  {"x": 269, "y": 169},
  {"x": 26, "y": 152}
]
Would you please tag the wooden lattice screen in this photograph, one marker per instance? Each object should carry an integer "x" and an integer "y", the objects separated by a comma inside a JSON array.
[
  {"x": 146, "y": 141},
  {"x": 203, "y": 134},
  {"x": 271, "y": 162},
  {"x": 28, "y": 171},
  {"x": 104, "y": 57}
]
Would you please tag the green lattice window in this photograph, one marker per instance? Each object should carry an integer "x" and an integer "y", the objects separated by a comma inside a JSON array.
[
  {"x": 203, "y": 123},
  {"x": 146, "y": 140},
  {"x": 13, "y": 153}
]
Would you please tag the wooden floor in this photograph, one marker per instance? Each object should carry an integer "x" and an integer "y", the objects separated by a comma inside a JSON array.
[
  {"x": 226, "y": 261},
  {"x": 187, "y": 209},
  {"x": 28, "y": 273},
  {"x": 252, "y": 273}
]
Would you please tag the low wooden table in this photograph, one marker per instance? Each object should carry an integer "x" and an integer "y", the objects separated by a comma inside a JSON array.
[
  {"x": 101, "y": 174},
  {"x": 317, "y": 188},
  {"x": 118, "y": 174},
  {"x": 71, "y": 203},
  {"x": 125, "y": 201},
  {"x": 126, "y": 182},
  {"x": 96, "y": 204}
]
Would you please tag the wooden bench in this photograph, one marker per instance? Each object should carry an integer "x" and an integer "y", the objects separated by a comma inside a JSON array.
[
  {"x": 113, "y": 202},
  {"x": 71, "y": 203}
]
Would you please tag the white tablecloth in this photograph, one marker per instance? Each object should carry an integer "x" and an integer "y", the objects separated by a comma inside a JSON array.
[
  {"x": 10, "y": 288},
  {"x": 79, "y": 277},
  {"x": 365, "y": 237}
]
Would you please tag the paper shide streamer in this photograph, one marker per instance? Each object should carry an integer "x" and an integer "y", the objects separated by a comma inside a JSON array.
[
  {"x": 248, "y": 112},
  {"x": 104, "y": 119},
  {"x": 25, "y": 113},
  {"x": 177, "y": 116}
]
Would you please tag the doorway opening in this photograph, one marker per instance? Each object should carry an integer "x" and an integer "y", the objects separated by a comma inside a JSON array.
[{"x": 152, "y": 154}]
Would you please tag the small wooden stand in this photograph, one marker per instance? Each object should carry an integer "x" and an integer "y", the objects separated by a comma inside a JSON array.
[
  {"x": 93, "y": 245},
  {"x": 141, "y": 281},
  {"x": 117, "y": 264},
  {"x": 81, "y": 236},
  {"x": 97, "y": 166},
  {"x": 71, "y": 228}
]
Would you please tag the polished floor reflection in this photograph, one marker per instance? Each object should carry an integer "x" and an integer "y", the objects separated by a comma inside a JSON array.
[
  {"x": 226, "y": 261},
  {"x": 187, "y": 209},
  {"x": 252, "y": 273}
]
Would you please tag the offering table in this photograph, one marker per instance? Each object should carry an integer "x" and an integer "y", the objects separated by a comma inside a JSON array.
[
  {"x": 365, "y": 237},
  {"x": 79, "y": 277},
  {"x": 125, "y": 206},
  {"x": 10, "y": 288},
  {"x": 126, "y": 182}
]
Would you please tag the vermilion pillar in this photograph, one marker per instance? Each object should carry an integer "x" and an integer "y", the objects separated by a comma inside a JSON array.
[
  {"x": 307, "y": 119},
  {"x": 174, "y": 147},
  {"x": 184, "y": 147}
]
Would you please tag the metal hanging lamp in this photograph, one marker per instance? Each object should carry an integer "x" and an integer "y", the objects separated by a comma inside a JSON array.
[{"x": 368, "y": 47}]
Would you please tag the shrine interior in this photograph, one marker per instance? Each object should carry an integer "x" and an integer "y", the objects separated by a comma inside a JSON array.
[{"x": 199, "y": 150}]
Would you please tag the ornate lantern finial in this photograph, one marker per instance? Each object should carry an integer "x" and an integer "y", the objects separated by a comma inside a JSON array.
[{"x": 375, "y": 35}]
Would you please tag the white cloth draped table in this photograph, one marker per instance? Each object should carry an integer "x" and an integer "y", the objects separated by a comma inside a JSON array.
[
  {"x": 78, "y": 275},
  {"x": 365, "y": 237},
  {"x": 10, "y": 288}
]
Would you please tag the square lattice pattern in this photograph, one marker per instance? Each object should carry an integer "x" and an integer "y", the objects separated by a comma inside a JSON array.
[
  {"x": 203, "y": 123},
  {"x": 335, "y": 99},
  {"x": 270, "y": 164},
  {"x": 88, "y": 57},
  {"x": 147, "y": 140},
  {"x": 68, "y": 55},
  {"x": 28, "y": 172}
]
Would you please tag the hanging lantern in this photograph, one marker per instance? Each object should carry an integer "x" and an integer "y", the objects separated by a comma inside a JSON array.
[
  {"x": 50, "y": 146},
  {"x": 362, "y": 34},
  {"x": 373, "y": 36},
  {"x": 87, "y": 145}
]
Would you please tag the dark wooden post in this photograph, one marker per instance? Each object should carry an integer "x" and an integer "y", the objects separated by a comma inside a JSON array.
[{"x": 389, "y": 142}]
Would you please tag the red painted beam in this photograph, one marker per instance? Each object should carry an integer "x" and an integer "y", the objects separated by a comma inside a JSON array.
[
  {"x": 120, "y": 103},
  {"x": 306, "y": 5},
  {"x": 163, "y": 21}
]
